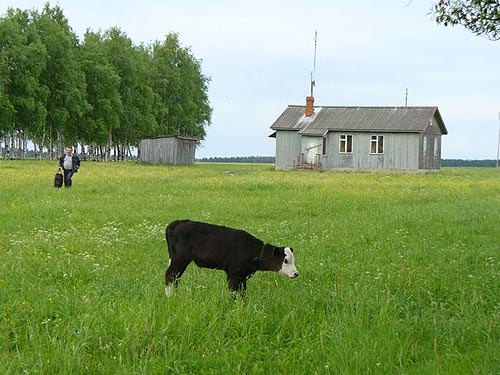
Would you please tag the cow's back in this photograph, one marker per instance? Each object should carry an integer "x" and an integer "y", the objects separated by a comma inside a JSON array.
[{"x": 210, "y": 245}]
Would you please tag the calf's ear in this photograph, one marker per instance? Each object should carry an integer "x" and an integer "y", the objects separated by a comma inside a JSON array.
[{"x": 278, "y": 252}]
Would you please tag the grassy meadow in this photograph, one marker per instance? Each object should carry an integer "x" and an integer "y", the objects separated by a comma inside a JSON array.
[{"x": 399, "y": 273}]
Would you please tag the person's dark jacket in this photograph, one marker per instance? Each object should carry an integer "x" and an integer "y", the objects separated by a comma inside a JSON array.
[{"x": 75, "y": 160}]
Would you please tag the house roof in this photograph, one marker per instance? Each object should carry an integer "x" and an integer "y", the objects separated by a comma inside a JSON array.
[{"x": 358, "y": 119}]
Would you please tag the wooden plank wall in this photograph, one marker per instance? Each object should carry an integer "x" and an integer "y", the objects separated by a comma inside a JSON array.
[{"x": 167, "y": 150}]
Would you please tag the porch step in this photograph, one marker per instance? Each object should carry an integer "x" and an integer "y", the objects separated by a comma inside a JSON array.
[{"x": 308, "y": 167}]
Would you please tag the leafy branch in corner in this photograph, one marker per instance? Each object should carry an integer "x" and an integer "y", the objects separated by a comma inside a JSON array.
[{"x": 482, "y": 17}]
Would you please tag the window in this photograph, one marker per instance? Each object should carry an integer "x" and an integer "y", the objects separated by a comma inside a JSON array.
[
  {"x": 345, "y": 144},
  {"x": 436, "y": 144},
  {"x": 377, "y": 144},
  {"x": 424, "y": 146}
]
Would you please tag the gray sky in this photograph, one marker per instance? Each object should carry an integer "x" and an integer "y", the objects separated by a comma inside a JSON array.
[{"x": 259, "y": 55}]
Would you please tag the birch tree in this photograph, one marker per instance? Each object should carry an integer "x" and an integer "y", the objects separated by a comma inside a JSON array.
[
  {"x": 182, "y": 105},
  {"x": 22, "y": 59},
  {"x": 482, "y": 17},
  {"x": 65, "y": 81},
  {"x": 102, "y": 92}
]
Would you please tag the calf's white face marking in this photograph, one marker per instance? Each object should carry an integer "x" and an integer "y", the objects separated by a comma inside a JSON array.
[{"x": 288, "y": 267}]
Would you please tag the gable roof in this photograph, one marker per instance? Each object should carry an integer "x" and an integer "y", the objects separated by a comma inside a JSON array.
[{"x": 358, "y": 119}]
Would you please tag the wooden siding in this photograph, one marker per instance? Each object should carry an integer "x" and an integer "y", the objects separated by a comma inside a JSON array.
[
  {"x": 400, "y": 152},
  {"x": 430, "y": 147},
  {"x": 403, "y": 151},
  {"x": 185, "y": 152},
  {"x": 168, "y": 150},
  {"x": 429, "y": 156},
  {"x": 288, "y": 145}
]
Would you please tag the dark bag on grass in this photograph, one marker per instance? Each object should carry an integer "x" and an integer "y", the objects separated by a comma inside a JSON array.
[{"x": 58, "y": 179}]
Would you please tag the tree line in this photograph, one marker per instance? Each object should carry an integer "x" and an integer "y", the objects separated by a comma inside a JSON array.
[
  {"x": 102, "y": 93},
  {"x": 468, "y": 163},
  {"x": 239, "y": 159}
]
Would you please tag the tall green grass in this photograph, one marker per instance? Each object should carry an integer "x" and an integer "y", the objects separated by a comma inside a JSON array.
[{"x": 398, "y": 272}]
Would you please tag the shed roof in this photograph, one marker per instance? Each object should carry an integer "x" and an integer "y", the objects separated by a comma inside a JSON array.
[
  {"x": 183, "y": 137},
  {"x": 358, "y": 119}
]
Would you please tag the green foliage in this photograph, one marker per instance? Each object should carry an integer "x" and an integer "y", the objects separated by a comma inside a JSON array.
[
  {"x": 399, "y": 273},
  {"x": 482, "y": 17},
  {"x": 22, "y": 60},
  {"x": 62, "y": 76},
  {"x": 181, "y": 88},
  {"x": 103, "y": 91},
  {"x": 132, "y": 66}
]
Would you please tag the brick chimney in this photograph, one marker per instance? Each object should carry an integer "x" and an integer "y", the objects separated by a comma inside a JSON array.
[{"x": 309, "y": 106}]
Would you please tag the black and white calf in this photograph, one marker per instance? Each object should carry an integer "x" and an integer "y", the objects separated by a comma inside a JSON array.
[{"x": 233, "y": 250}]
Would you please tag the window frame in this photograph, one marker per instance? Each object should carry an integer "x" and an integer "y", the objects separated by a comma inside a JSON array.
[
  {"x": 344, "y": 140},
  {"x": 377, "y": 140}
]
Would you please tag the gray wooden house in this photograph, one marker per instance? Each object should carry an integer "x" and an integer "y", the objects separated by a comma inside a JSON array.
[
  {"x": 329, "y": 137},
  {"x": 168, "y": 149}
]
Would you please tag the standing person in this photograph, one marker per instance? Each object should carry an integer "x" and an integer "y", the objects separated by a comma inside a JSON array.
[{"x": 70, "y": 164}]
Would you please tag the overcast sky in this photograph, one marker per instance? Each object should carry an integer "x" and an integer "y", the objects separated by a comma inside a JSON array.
[{"x": 259, "y": 56}]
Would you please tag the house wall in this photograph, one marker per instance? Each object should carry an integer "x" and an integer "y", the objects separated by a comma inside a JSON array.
[
  {"x": 404, "y": 151},
  {"x": 288, "y": 146},
  {"x": 167, "y": 150},
  {"x": 430, "y": 147},
  {"x": 401, "y": 151}
]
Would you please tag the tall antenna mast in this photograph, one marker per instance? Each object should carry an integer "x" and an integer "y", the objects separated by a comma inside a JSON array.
[{"x": 313, "y": 72}]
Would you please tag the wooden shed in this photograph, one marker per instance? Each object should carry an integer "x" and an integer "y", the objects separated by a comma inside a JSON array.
[
  {"x": 331, "y": 137},
  {"x": 168, "y": 149}
]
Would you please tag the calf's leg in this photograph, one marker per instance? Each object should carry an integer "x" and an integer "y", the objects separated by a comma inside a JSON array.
[
  {"x": 236, "y": 283},
  {"x": 173, "y": 273}
]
